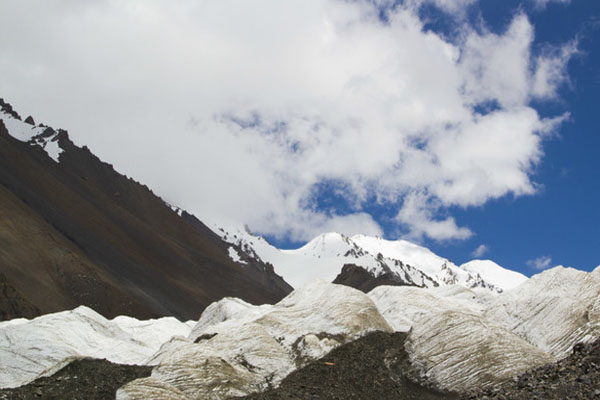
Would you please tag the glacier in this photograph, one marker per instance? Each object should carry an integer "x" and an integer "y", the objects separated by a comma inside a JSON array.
[
  {"x": 457, "y": 337},
  {"x": 30, "y": 349}
]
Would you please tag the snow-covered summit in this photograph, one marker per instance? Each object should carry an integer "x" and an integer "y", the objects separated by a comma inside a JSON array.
[
  {"x": 321, "y": 258},
  {"x": 324, "y": 256}
]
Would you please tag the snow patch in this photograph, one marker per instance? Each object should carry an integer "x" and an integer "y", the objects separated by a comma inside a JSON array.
[
  {"x": 235, "y": 256},
  {"x": 34, "y": 135}
]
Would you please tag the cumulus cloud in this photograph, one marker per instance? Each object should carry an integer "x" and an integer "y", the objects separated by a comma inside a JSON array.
[
  {"x": 240, "y": 111},
  {"x": 480, "y": 251},
  {"x": 540, "y": 263},
  {"x": 418, "y": 213}
]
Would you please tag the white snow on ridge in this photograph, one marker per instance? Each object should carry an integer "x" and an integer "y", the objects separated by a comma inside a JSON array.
[
  {"x": 41, "y": 346},
  {"x": 31, "y": 134},
  {"x": 495, "y": 274},
  {"x": 410, "y": 253},
  {"x": 18, "y": 129},
  {"x": 441, "y": 269}
]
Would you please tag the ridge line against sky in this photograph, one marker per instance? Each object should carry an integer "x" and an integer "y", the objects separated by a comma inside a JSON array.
[{"x": 467, "y": 126}]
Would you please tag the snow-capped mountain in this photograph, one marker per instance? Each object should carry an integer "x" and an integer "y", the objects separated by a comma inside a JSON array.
[{"x": 400, "y": 262}]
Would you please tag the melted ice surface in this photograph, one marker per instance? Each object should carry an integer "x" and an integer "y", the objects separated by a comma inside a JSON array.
[{"x": 39, "y": 347}]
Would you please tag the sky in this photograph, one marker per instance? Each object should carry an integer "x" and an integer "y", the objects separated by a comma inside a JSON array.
[{"x": 467, "y": 126}]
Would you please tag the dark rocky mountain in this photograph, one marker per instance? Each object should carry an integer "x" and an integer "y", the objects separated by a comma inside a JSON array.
[
  {"x": 76, "y": 232},
  {"x": 359, "y": 278}
]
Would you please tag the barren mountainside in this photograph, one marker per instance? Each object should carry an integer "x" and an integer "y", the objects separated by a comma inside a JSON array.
[{"x": 73, "y": 231}]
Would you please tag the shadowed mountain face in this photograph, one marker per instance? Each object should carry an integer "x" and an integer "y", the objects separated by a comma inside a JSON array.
[
  {"x": 359, "y": 278},
  {"x": 76, "y": 232}
]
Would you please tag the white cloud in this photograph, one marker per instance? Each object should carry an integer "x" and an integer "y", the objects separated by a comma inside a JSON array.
[
  {"x": 418, "y": 215},
  {"x": 550, "y": 72},
  {"x": 240, "y": 110},
  {"x": 540, "y": 263},
  {"x": 544, "y": 3},
  {"x": 480, "y": 251},
  {"x": 456, "y": 7}
]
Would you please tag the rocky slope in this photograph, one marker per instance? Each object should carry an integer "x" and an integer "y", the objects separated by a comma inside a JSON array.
[
  {"x": 88, "y": 379},
  {"x": 76, "y": 232}
]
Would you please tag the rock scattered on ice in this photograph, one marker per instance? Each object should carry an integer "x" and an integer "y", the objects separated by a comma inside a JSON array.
[{"x": 237, "y": 348}]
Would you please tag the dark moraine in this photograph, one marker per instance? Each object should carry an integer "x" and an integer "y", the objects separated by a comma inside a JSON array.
[
  {"x": 369, "y": 368},
  {"x": 85, "y": 379}
]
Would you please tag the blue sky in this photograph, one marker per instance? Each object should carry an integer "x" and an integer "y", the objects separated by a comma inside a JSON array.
[
  {"x": 460, "y": 125},
  {"x": 562, "y": 221}
]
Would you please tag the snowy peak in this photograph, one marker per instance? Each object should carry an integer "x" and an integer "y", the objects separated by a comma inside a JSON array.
[
  {"x": 495, "y": 274},
  {"x": 329, "y": 244},
  {"x": 334, "y": 256}
]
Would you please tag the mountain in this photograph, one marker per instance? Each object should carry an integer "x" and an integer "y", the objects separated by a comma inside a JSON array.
[
  {"x": 365, "y": 262},
  {"x": 73, "y": 231}
]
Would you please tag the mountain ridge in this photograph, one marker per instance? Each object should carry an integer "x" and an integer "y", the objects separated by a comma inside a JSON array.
[{"x": 74, "y": 231}]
